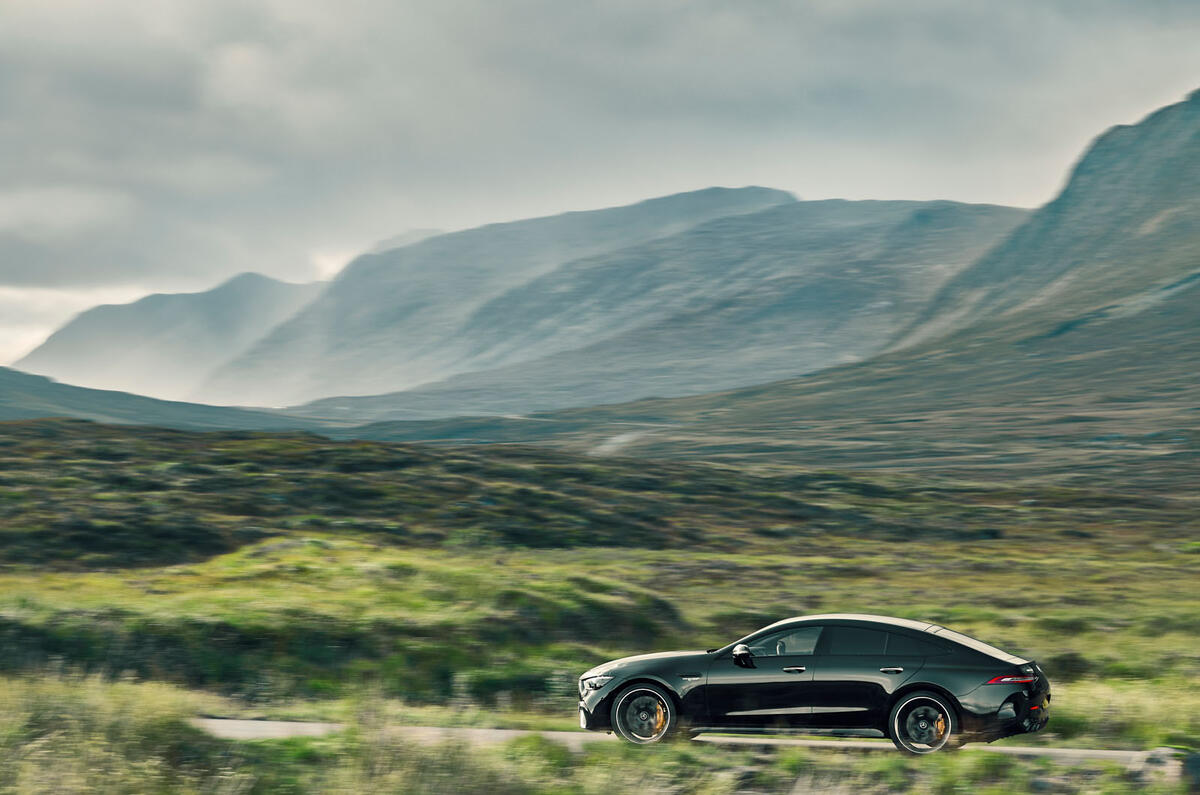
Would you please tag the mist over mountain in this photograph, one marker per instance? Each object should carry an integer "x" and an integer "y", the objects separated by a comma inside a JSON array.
[
  {"x": 391, "y": 320},
  {"x": 164, "y": 345},
  {"x": 738, "y": 300}
]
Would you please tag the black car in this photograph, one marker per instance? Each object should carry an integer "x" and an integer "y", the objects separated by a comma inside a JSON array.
[{"x": 924, "y": 686}]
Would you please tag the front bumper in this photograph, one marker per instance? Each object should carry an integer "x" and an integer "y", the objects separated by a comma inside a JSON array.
[{"x": 592, "y": 718}]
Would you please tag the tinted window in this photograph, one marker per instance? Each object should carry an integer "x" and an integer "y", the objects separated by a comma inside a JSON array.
[
  {"x": 801, "y": 640},
  {"x": 906, "y": 645},
  {"x": 853, "y": 640},
  {"x": 977, "y": 645}
]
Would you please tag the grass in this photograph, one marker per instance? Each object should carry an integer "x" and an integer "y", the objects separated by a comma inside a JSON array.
[
  {"x": 76, "y": 734},
  {"x": 315, "y": 620},
  {"x": 79, "y": 495},
  {"x": 290, "y": 576},
  {"x": 88, "y": 734}
]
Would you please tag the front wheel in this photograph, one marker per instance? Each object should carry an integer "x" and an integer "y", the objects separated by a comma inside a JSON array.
[
  {"x": 922, "y": 723},
  {"x": 643, "y": 713}
]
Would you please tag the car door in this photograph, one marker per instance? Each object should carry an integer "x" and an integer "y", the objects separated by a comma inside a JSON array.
[
  {"x": 775, "y": 692},
  {"x": 854, "y": 676}
]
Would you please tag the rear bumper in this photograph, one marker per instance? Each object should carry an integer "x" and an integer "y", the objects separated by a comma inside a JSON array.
[{"x": 1019, "y": 714}]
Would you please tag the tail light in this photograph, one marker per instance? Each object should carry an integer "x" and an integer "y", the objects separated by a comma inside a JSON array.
[{"x": 1025, "y": 675}]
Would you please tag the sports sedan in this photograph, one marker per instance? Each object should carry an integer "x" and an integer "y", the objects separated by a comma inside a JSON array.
[{"x": 924, "y": 686}]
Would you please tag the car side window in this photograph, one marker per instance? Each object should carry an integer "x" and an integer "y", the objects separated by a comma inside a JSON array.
[
  {"x": 908, "y": 646},
  {"x": 854, "y": 640},
  {"x": 802, "y": 640}
]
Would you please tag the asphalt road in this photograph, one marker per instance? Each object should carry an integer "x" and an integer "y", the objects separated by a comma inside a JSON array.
[{"x": 1162, "y": 758}]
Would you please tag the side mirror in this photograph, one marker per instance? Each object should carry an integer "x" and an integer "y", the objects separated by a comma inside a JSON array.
[{"x": 742, "y": 656}]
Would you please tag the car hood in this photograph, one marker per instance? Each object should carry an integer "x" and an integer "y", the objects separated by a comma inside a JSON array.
[{"x": 625, "y": 662}]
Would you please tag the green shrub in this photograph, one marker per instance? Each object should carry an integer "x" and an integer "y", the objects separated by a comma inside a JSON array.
[{"x": 1067, "y": 666}]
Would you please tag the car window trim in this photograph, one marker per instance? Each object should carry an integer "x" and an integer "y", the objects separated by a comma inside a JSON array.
[{"x": 822, "y": 642}]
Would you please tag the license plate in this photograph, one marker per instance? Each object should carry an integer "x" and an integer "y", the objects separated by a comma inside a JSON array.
[{"x": 582, "y": 719}]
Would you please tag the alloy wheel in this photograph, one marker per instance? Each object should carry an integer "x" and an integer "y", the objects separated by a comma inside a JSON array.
[
  {"x": 922, "y": 724},
  {"x": 642, "y": 716}
]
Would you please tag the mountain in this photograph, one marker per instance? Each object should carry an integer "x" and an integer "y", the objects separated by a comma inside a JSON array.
[
  {"x": 24, "y": 396},
  {"x": 1125, "y": 222},
  {"x": 404, "y": 239},
  {"x": 165, "y": 345},
  {"x": 738, "y": 300},
  {"x": 1067, "y": 353},
  {"x": 390, "y": 320}
]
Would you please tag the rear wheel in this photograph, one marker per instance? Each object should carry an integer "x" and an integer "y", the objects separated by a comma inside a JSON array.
[
  {"x": 643, "y": 713},
  {"x": 922, "y": 723}
]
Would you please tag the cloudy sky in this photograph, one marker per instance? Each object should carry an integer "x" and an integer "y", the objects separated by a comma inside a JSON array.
[{"x": 167, "y": 145}]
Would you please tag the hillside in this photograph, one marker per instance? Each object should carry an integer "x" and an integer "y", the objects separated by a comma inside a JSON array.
[
  {"x": 165, "y": 345},
  {"x": 740, "y": 300},
  {"x": 24, "y": 396},
  {"x": 1032, "y": 381},
  {"x": 229, "y": 483},
  {"x": 390, "y": 320}
]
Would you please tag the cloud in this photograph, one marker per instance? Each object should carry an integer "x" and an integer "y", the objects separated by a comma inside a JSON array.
[
  {"x": 169, "y": 145},
  {"x": 50, "y": 213}
]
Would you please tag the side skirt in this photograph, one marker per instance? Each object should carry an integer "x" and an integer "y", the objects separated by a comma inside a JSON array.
[{"x": 787, "y": 730}]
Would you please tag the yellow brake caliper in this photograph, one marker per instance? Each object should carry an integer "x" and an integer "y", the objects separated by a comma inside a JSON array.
[
  {"x": 660, "y": 718},
  {"x": 941, "y": 726}
]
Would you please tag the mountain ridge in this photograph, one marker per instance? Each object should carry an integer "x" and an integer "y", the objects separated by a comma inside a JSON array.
[
  {"x": 733, "y": 301},
  {"x": 1126, "y": 198},
  {"x": 383, "y": 322}
]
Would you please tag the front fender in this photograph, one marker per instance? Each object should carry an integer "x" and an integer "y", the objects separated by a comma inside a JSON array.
[{"x": 597, "y": 704}]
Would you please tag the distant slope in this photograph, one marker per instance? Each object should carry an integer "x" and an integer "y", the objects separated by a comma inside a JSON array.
[
  {"x": 1116, "y": 400},
  {"x": 165, "y": 345},
  {"x": 735, "y": 301},
  {"x": 1077, "y": 355},
  {"x": 1126, "y": 221},
  {"x": 390, "y": 320},
  {"x": 24, "y": 396}
]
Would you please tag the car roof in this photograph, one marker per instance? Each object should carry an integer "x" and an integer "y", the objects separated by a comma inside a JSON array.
[
  {"x": 907, "y": 623},
  {"x": 891, "y": 621}
]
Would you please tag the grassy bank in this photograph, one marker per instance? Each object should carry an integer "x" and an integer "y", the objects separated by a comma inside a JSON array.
[
  {"x": 83, "y": 734},
  {"x": 322, "y": 617}
]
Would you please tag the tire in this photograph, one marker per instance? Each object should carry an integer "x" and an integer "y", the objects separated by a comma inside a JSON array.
[
  {"x": 644, "y": 713},
  {"x": 924, "y": 722}
]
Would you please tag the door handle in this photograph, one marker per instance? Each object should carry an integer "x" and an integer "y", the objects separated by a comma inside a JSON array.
[
  {"x": 891, "y": 670},
  {"x": 795, "y": 669}
]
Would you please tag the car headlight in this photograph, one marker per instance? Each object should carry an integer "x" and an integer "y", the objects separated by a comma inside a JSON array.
[{"x": 594, "y": 682}]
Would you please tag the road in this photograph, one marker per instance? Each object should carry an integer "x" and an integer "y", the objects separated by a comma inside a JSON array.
[{"x": 1162, "y": 758}]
